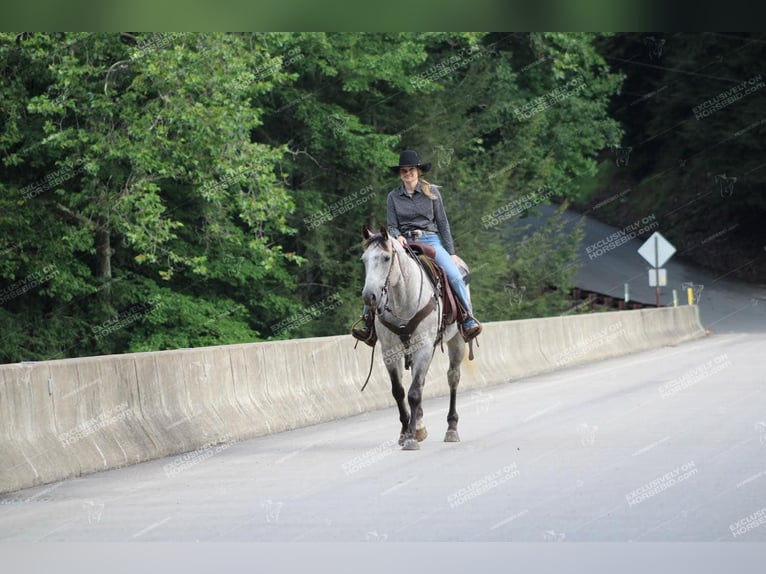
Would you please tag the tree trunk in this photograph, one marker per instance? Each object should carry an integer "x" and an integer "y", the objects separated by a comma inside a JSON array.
[{"x": 104, "y": 251}]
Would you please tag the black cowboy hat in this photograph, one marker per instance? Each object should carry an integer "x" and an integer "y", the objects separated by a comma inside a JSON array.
[{"x": 409, "y": 158}]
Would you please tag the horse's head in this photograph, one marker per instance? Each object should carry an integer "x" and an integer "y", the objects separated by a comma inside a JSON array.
[{"x": 379, "y": 254}]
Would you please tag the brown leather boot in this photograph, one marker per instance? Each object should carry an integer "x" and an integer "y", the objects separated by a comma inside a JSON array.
[
  {"x": 470, "y": 328},
  {"x": 365, "y": 333}
]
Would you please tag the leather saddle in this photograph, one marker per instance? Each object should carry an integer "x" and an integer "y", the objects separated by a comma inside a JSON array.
[{"x": 452, "y": 309}]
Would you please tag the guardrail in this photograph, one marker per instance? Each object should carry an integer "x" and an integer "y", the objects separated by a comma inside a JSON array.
[{"x": 64, "y": 418}]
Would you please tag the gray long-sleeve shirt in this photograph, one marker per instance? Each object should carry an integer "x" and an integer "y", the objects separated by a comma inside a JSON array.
[{"x": 405, "y": 213}]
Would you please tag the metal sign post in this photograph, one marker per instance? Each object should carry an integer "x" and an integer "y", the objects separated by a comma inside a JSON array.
[
  {"x": 657, "y": 250},
  {"x": 657, "y": 268}
]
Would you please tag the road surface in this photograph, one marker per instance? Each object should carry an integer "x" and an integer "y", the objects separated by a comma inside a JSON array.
[{"x": 667, "y": 445}]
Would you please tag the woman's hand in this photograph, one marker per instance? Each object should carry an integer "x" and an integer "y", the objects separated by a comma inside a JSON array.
[{"x": 402, "y": 240}]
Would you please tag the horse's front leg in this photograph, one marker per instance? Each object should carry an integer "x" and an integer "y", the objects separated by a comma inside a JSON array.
[
  {"x": 397, "y": 390},
  {"x": 416, "y": 430}
]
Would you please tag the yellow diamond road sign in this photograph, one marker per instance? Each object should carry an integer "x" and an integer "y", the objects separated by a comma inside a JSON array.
[{"x": 656, "y": 250}]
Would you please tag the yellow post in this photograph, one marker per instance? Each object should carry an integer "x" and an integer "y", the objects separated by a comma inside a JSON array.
[{"x": 690, "y": 295}]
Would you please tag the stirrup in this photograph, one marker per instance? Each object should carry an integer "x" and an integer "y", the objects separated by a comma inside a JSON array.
[
  {"x": 473, "y": 332},
  {"x": 367, "y": 336}
]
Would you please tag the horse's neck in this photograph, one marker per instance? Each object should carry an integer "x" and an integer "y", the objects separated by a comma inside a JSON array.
[{"x": 413, "y": 289}]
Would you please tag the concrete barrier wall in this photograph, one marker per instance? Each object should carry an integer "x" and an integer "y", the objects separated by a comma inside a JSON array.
[{"x": 61, "y": 419}]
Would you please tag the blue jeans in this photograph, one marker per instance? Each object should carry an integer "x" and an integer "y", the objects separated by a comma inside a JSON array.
[{"x": 454, "y": 276}]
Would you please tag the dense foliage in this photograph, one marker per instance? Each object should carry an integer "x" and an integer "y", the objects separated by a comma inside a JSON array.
[{"x": 161, "y": 191}]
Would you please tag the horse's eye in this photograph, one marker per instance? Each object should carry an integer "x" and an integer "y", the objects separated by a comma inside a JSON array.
[{"x": 386, "y": 258}]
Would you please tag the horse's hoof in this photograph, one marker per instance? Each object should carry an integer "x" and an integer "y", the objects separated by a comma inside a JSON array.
[
  {"x": 421, "y": 434},
  {"x": 401, "y": 439},
  {"x": 411, "y": 444},
  {"x": 451, "y": 436}
]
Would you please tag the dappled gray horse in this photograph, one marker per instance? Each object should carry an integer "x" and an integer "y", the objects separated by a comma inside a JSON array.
[{"x": 407, "y": 317}]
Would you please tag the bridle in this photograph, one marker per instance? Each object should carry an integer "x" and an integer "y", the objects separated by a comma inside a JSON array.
[{"x": 387, "y": 282}]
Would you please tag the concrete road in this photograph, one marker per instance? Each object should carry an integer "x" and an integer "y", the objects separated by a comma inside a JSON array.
[{"x": 668, "y": 445}]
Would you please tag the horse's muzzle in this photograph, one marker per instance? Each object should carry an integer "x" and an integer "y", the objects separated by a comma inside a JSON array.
[{"x": 370, "y": 299}]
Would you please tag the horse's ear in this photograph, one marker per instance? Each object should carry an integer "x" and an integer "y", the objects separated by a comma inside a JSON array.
[
  {"x": 384, "y": 233},
  {"x": 365, "y": 232}
]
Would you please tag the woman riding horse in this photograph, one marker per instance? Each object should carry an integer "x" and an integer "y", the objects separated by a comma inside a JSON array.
[
  {"x": 404, "y": 303},
  {"x": 415, "y": 212}
]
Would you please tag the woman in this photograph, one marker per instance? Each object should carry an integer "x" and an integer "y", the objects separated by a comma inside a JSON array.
[{"x": 415, "y": 212}]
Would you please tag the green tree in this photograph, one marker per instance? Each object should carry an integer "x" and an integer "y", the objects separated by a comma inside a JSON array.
[{"x": 130, "y": 168}]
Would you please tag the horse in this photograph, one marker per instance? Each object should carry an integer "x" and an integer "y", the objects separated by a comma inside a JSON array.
[{"x": 407, "y": 323}]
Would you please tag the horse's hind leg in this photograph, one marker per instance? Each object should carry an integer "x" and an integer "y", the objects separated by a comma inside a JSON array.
[
  {"x": 456, "y": 349},
  {"x": 397, "y": 390}
]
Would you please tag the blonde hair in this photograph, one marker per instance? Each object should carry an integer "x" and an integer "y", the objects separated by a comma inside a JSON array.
[{"x": 425, "y": 186}]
